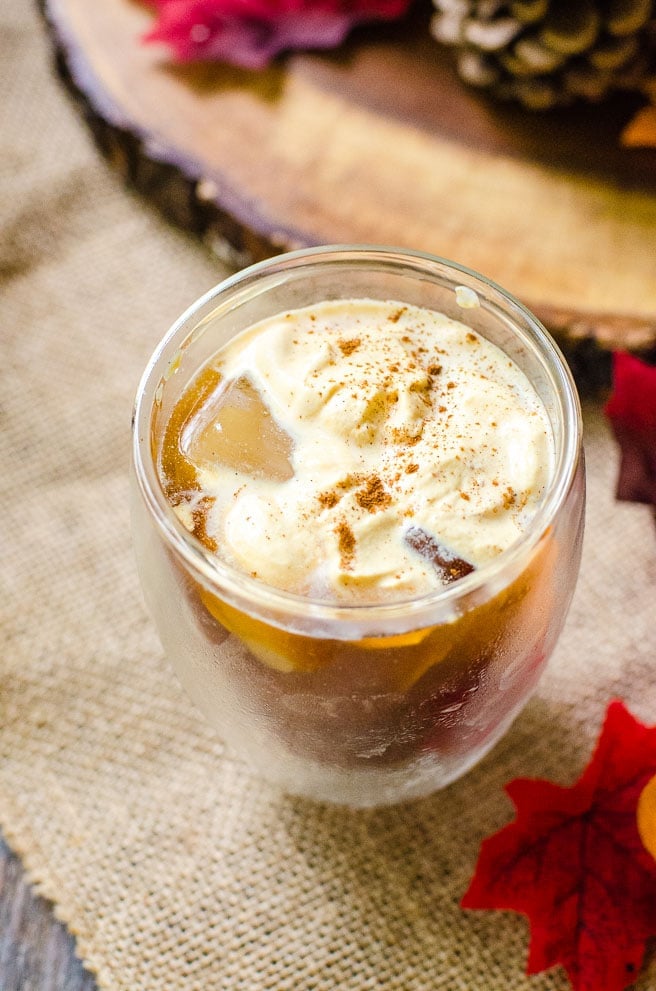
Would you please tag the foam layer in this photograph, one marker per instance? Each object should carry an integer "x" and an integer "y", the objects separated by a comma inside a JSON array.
[{"x": 397, "y": 439}]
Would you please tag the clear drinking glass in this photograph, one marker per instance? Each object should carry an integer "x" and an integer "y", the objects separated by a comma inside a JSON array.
[{"x": 358, "y": 704}]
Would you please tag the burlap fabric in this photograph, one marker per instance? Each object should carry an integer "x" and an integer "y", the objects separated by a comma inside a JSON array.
[{"x": 174, "y": 867}]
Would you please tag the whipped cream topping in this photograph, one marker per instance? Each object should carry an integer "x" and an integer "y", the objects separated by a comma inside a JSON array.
[{"x": 408, "y": 437}]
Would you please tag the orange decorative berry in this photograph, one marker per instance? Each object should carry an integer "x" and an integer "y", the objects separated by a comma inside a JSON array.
[{"x": 646, "y": 816}]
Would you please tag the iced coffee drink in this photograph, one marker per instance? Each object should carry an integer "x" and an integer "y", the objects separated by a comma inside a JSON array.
[{"x": 358, "y": 568}]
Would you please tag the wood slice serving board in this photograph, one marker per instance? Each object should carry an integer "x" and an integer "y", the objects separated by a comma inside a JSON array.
[{"x": 380, "y": 142}]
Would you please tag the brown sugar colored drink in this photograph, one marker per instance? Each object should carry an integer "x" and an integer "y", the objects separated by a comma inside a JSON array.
[{"x": 358, "y": 509}]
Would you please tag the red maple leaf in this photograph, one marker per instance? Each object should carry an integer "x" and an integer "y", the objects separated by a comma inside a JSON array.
[
  {"x": 573, "y": 862},
  {"x": 631, "y": 410}
]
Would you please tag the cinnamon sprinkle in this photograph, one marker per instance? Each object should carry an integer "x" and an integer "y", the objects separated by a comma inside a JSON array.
[
  {"x": 347, "y": 347},
  {"x": 420, "y": 385},
  {"x": 403, "y": 436},
  {"x": 373, "y": 496},
  {"x": 346, "y": 545},
  {"x": 396, "y": 316},
  {"x": 351, "y": 481},
  {"x": 328, "y": 499}
]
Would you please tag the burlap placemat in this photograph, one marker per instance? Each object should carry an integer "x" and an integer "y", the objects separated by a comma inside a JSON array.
[{"x": 174, "y": 867}]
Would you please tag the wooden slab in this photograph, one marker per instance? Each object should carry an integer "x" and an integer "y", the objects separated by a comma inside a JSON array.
[{"x": 381, "y": 142}]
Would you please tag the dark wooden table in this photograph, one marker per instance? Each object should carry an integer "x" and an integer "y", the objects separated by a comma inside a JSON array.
[{"x": 36, "y": 951}]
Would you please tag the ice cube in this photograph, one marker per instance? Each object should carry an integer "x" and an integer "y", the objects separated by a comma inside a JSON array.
[{"x": 235, "y": 429}]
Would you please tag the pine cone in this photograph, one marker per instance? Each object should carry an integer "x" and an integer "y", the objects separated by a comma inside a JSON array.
[{"x": 547, "y": 53}]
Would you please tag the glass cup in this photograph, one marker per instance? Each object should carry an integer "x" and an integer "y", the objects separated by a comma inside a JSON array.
[{"x": 358, "y": 704}]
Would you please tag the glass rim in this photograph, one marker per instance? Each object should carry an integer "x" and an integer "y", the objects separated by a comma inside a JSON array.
[{"x": 266, "y": 601}]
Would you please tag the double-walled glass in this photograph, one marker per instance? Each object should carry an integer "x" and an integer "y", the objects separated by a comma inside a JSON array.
[{"x": 359, "y": 704}]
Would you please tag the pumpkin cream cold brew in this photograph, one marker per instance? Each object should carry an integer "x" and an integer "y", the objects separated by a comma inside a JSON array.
[{"x": 358, "y": 452}]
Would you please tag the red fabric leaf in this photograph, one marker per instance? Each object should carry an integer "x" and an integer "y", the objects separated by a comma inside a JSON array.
[
  {"x": 249, "y": 33},
  {"x": 573, "y": 862},
  {"x": 631, "y": 410}
]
